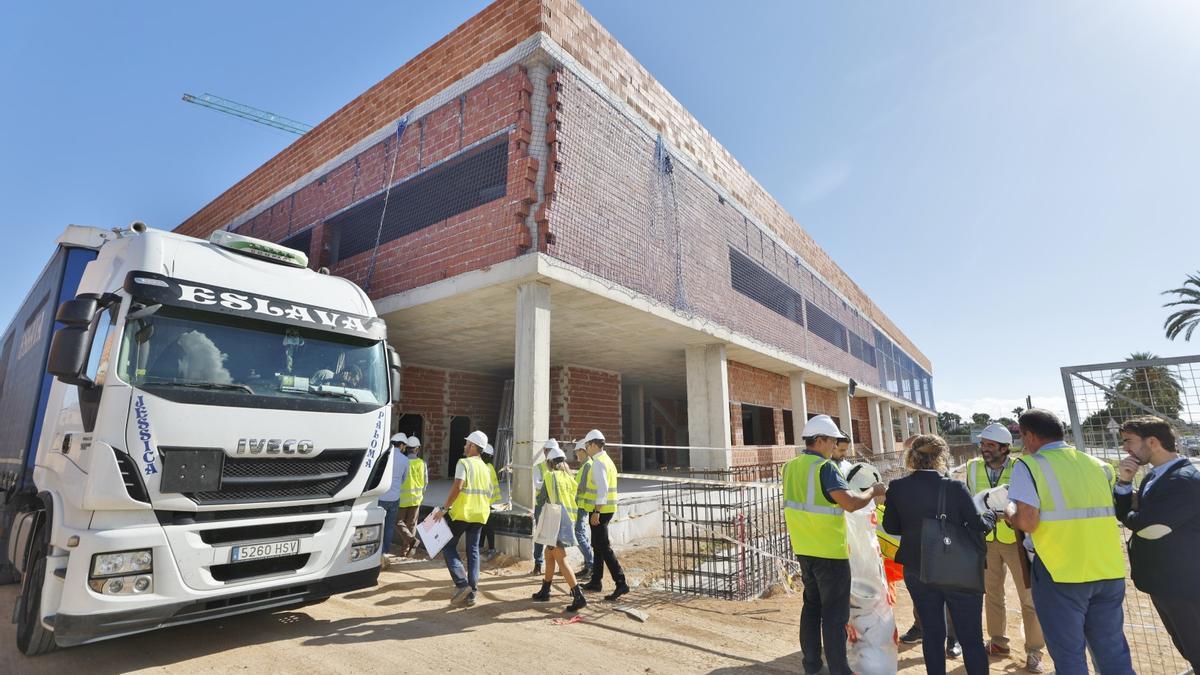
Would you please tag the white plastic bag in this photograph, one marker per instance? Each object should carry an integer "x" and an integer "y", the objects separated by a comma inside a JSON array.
[
  {"x": 872, "y": 648},
  {"x": 546, "y": 532}
]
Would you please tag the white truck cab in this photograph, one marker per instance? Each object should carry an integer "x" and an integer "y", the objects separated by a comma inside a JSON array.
[{"x": 204, "y": 434}]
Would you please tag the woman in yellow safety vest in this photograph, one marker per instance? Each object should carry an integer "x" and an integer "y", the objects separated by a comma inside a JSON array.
[
  {"x": 559, "y": 488},
  {"x": 412, "y": 493}
]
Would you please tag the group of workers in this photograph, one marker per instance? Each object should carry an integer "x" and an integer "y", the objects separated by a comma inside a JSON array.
[
  {"x": 586, "y": 503},
  {"x": 1057, "y": 533}
]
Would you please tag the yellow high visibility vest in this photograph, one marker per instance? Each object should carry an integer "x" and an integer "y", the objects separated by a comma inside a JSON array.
[
  {"x": 495, "y": 498},
  {"x": 412, "y": 490},
  {"x": 587, "y": 499},
  {"x": 1077, "y": 537},
  {"x": 816, "y": 526},
  {"x": 581, "y": 477},
  {"x": 978, "y": 481},
  {"x": 561, "y": 489},
  {"x": 888, "y": 543},
  {"x": 473, "y": 503}
]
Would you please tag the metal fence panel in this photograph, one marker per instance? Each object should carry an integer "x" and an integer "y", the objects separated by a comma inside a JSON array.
[{"x": 1099, "y": 397}]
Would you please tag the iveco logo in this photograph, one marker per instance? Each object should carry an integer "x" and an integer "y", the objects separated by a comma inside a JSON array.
[{"x": 273, "y": 446}]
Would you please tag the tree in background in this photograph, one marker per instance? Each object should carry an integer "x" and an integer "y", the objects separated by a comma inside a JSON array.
[
  {"x": 981, "y": 419},
  {"x": 948, "y": 421},
  {"x": 1017, "y": 412},
  {"x": 1008, "y": 422},
  {"x": 1186, "y": 319},
  {"x": 1155, "y": 387}
]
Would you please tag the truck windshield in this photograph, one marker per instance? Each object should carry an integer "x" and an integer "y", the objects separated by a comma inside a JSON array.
[{"x": 203, "y": 357}]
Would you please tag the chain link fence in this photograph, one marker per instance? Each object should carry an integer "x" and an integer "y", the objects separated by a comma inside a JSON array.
[{"x": 1099, "y": 397}]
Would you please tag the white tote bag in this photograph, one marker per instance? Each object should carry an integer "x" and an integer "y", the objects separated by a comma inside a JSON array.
[{"x": 546, "y": 532}]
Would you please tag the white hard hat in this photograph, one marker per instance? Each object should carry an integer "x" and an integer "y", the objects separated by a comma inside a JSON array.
[
  {"x": 551, "y": 445},
  {"x": 478, "y": 438},
  {"x": 996, "y": 432},
  {"x": 399, "y": 438},
  {"x": 862, "y": 476},
  {"x": 593, "y": 435},
  {"x": 821, "y": 425},
  {"x": 556, "y": 453},
  {"x": 413, "y": 442},
  {"x": 488, "y": 449}
]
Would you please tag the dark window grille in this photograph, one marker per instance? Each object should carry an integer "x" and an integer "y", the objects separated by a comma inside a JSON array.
[
  {"x": 755, "y": 282},
  {"x": 471, "y": 179},
  {"x": 826, "y": 327}
]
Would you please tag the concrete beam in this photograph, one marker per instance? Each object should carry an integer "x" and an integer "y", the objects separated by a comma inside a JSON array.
[
  {"x": 877, "y": 445},
  {"x": 531, "y": 389},
  {"x": 889, "y": 426},
  {"x": 799, "y": 405},
  {"x": 843, "y": 394},
  {"x": 708, "y": 406}
]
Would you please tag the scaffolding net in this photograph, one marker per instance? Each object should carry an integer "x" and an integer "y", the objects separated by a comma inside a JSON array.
[{"x": 1099, "y": 397}]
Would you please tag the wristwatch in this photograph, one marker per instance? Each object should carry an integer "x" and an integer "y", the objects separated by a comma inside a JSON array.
[{"x": 1124, "y": 483}]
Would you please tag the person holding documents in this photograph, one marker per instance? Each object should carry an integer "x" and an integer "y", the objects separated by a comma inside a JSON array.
[{"x": 468, "y": 506}]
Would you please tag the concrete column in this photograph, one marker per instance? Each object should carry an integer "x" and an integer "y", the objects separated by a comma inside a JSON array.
[
  {"x": 531, "y": 391},
  {"x": 921, "y": 424},
  {"x": 708, "y": 406},
  {"x": 636, "y": 395},
  {"x": 910, "y": 427},
  {"x": 889, "y": 427},
  {"x": 877, "y": 445},
  {"x": 843, "y": 394},
  {"x": 799, "y": 405}
]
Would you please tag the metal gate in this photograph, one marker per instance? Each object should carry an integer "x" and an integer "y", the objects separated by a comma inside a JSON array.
[{"x": 1099, "y": 397}]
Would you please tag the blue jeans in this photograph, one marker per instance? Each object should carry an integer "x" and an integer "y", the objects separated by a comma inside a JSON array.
[
  {"x": 1080, "y": 617},
  {"x": 391, "y": 514},
  {"x": 581, "y": 536},
  {"x": 966, "y": 609},
  {"x": 470, "y": 575}
]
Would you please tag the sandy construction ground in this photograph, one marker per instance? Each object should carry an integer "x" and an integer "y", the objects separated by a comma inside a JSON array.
[{"x": 405, "y": 625}]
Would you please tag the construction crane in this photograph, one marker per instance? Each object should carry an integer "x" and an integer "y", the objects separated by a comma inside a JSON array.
[{"x": 248, "y": 113}]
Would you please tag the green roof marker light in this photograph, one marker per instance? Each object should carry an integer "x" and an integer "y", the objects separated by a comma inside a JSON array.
[{"x": 258, "y": 248}]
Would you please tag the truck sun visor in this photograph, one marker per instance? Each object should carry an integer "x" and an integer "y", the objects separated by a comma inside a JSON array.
[{"x": 156, "y": 288}]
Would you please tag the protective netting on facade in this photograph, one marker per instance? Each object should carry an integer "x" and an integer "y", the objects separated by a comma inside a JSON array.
[
  {"x": 637, "y": 214},
  {"x": 1099, "y": 398}
]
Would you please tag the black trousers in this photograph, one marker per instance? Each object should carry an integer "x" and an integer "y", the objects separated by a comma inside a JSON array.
[
  {"x": 931, "y": 604},
  {"x": 603, "y": 553},
  {"x": 1181, "y": 617},
  {"x": 826, "y": 612}
]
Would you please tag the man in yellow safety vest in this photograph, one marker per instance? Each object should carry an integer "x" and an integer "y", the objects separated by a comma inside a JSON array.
[
  {"x": 816, "y": 498},
  {"x": 599, "y": 500},
  {"x": 412, "y": 493},
  {"x": 468, "y": 506},
  {"x": 1063, "y": 499},
  {"x": 992, "y": 469}
]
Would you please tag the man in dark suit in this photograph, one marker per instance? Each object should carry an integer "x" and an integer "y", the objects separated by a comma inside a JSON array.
[{"x": 1164, "y": 518}]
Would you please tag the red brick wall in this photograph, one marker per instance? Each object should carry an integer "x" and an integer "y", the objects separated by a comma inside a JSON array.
[
  {"x": 438, "y": 395},
  {"x": 582, "y": 399},
  {"x": 755, "y": 386},
  {"x": 821, "y": 401}
]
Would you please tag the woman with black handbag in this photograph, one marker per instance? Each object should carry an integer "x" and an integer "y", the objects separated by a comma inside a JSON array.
[{"x": 942, "y": 550}]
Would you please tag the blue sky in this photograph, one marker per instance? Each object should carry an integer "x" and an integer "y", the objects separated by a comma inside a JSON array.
[{"x": 1013, "y": 184}]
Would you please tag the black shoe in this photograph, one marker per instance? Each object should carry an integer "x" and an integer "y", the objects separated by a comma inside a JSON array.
[
  {"x": 621, "y": 589},
  {"x": 579, "y": 601},
  {"x": 953, "y": 649},
  {"x": 584, "y": 572},
  {"x": 912, "y": 637},
  {"x": 544, "y": 594},
  {"x": 537, "y": 568},
  {"x": 593, "y": 587}
]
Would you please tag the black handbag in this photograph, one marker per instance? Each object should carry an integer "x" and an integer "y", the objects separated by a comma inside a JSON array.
[{"x": 952, "y": 557}]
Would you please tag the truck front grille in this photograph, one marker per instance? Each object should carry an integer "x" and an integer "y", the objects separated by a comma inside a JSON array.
[
  {"x": 258, "y": 568},
  {"x": 259, "y": 479}
]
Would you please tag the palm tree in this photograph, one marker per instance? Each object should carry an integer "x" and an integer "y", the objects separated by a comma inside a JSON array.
[
  {"x": 1155, "y": 387},
  {"x": 1017, "y": 412},
  {"x": 1184, "y": 320}
]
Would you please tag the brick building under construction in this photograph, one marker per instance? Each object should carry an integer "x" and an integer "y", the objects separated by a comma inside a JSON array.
[{"x": 524, "y": 201}]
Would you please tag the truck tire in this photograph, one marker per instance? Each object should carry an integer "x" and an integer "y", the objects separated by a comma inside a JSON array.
[{"x": 34, "y": 639}]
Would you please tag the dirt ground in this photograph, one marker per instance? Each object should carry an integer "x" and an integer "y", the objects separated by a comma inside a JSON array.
[{"x": 405, "y": 625}]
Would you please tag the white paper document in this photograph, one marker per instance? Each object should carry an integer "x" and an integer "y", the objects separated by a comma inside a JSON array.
[{"x": 434, "y": 533}]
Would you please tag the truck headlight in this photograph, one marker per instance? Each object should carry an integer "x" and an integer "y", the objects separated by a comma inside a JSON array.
[
  {"x": 123, "y": 563},
  {"x": 366, "y": 534}
]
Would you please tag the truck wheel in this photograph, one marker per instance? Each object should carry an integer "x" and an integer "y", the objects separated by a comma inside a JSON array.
[{"x": 33, "y": 638}]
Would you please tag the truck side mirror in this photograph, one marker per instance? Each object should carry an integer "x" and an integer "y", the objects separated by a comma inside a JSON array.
[
  {"x": 78, "y": 312},
  {"x": 394, "y": 371},
  {"x": 69, "y": 352}
]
